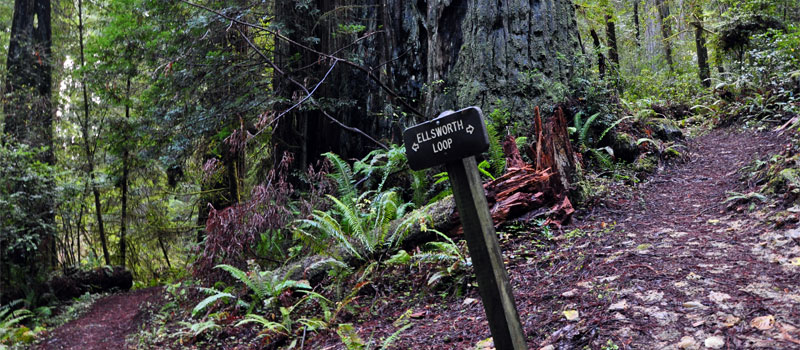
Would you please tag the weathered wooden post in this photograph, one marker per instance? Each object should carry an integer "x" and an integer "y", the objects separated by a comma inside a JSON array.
[{"x": 453, "y": 139}]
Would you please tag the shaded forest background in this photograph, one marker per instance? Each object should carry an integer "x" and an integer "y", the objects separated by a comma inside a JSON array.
[{"x": 175, "y": 137}]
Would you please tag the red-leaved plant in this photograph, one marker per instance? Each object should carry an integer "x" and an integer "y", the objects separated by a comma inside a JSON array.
[{"x": 232, "y": 233}]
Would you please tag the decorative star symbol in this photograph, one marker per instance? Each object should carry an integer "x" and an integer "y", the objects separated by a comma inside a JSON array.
[
  {"x": 470, "y": 129},
  {"x": 415, "y": 147}
]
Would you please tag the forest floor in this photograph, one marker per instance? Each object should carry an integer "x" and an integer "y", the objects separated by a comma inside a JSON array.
[
  {"x": 666, "y": 264},
  {"x": 105, "y": 325}
]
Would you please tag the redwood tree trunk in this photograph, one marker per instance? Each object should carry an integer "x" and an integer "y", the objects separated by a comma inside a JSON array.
[
  {"x": 123, "y": 220},
  {"x": 436, "y": 55},
  {"x": 29, "y": 120}
]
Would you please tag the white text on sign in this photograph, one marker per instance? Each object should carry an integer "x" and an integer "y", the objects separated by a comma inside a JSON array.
[
  {"x": 440, "y": 131},
  {"x": 442, "y": 145}
]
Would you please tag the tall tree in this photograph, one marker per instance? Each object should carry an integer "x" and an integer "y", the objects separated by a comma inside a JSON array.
[
  {"x": 598, "y": 48},
  {"x": 611, "y": 36},
  {"x": 636, "y": 24},
  {"x": 666, "y": 30},
  {"x": 29, "y": 120},
  {"x": 704, "y": 71},
  {"x": 89, "y": 150}
]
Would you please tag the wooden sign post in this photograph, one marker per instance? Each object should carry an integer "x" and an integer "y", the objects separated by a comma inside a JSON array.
[{"x": 453, "y": 139}]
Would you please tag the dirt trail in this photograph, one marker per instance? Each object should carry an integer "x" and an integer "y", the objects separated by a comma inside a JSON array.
[
  {"x": 665, "y": 266},
  {"x": 105, "y": 325},
  {"x": 683, "y": 272}
]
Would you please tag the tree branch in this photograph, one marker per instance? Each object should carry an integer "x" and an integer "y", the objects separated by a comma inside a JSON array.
[
  {"x": 308, "y": 95},
  {"x": 366, "y": 70}
]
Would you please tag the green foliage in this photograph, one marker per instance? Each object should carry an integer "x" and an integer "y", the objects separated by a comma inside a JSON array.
[
  {"x": 12, "y": 331},
  {"x": 344, "y": 176},
  {"x": 264, "y": 286},
  {"x": 499, "y": 119},
  {"x": 350, "y": 337},
  {"x": 380, "y": 162},
  {"x": 26, "y": 191},
  {"x": 450, "y": 260},
  {"x": 362, "y": 227},
  {"x": 582, "y": 128}
]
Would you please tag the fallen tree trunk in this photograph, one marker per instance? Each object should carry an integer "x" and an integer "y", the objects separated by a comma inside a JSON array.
[{"x": 101, "y": 279}]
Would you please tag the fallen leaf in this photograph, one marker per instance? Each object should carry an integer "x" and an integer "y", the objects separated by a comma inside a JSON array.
[
  {"x": 621, "y": 305},
  {"x": 763, "y": 322},
  {"x": 687, "y": 342},
  {"x": 693, "y": 304},
  {"x": 485, "y": 344},
  {"x": 731, "y": 321},
  {"x": 417, "y": 314},
  {"x": 795, "y": 261},
  {"x": 571, "y": 315}
]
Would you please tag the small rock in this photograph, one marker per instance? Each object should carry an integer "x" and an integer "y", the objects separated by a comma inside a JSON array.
[
  {"x": 652, "y": 296},
  {"x": 714, "y": 342},
  {"x": 608, "y": 279},
  {"x": 469, "y": 301},
  {"x": 687, "y": 342},
  {"x": 618, "y": 306},
  {"x": 793, "y": 233}
]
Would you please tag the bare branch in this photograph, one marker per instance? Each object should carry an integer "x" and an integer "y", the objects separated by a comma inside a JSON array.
[
  {"x": 308, "y": 95},
  {"x": 366, "y": 70}
]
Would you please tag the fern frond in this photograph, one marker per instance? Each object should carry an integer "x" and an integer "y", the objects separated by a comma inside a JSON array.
[
  {"x": 612, "y": 126},
  {"x": 343, "y": 175},
  {"x": 584, "y": 130},
  {"x": 243, "y": 277},
  {"x": 210, "y": 300},
  {"x": 266, "y": 325},
  {"x": 392, "y": 338}
]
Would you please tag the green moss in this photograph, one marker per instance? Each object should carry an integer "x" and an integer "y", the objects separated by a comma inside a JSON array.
[
  {"x": 645, "y": 164},
  {"x": 780, "y": 183}
]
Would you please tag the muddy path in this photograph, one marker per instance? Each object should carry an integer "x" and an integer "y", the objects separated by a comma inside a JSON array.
[{"x": 106, "y": 325}]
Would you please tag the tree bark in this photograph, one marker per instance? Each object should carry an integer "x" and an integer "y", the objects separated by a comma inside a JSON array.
[
  {"x": 704, "y": 71},
  {"x": 666, "y": 30},
  {"x": 611, "y": 35},
  {"x": 436, "y": 55},
  {"x": 601, "y": 59},
  {"x": 636, "y": 24},
  {"x": 123, "y": 220}
]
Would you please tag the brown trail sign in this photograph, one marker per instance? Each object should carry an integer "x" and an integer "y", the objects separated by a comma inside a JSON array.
[{"x": 454, "y": 138}]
